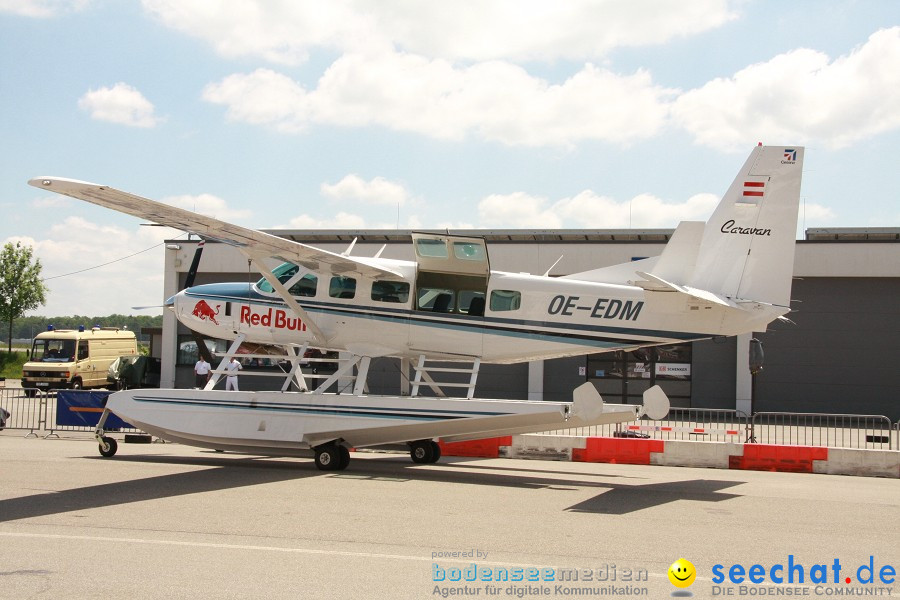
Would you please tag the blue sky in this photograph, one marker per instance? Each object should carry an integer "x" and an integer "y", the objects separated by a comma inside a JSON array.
[{"x": 495, "y": 114}]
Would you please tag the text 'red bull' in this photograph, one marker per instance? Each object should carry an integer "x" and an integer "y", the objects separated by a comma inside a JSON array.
[{"x": 272, "y": 318}]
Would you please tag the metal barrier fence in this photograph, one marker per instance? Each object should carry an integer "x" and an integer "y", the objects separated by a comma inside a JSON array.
[
  {"x": 37, "y": 413},
  {"x": 718, "y": 425},
  {"x": 796, "y": 429},
  {"x": 27, "y": 412},
  {"x": 820, "y": 429}
]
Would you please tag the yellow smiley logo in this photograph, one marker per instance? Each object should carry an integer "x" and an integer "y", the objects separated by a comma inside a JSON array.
[{"x": 682, "y": 573}]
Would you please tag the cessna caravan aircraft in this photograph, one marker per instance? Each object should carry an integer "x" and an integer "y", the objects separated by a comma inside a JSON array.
[{"x": 727, "y": 276}]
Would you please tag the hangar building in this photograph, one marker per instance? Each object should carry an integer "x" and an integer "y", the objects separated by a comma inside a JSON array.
[{"x": 836, "y": 357}]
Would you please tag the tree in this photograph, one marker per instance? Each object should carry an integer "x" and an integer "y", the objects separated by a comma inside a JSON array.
[{"x": 21, "y": 288}]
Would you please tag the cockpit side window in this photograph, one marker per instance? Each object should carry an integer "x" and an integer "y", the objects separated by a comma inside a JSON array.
[
  {"x": 305, "y": 286},
  {"x": 283, "y": 272}
]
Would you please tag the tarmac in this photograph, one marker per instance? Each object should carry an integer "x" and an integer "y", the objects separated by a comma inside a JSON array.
[{"x": 170, "y": 521}]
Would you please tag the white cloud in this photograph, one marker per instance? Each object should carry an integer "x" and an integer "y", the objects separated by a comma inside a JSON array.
[
  {"x": 345, "y": 220},
  {"x": 341, "y": 220},
  {"x": 494, "y": 101},
  {"x": 800, "y": 97},
  {"x": 587, "y": 210},
  {"x": 72, "y": 245},
  {"x": 517, "y": 210},
  {"x": 476, "y": 30},
  {"x": 121, "y": 104},
  {"x": 209, "y": 205},
  {"x": 375, "y": 191},
  {"x": 42, "y": 8}
]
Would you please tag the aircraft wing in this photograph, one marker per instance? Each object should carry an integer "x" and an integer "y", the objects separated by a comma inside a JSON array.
[{"x": 251, "y": 241}]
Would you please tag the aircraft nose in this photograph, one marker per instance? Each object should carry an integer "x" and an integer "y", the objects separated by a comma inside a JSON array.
[{"x": 170, "y": 303}]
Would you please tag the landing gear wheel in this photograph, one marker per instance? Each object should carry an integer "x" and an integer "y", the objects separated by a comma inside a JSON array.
[
  {"x": 345, "y": 458},
  {"x": 436, "y": 449},
  {"x": 422, "y": 452},
  {"x": 332, "y": 457},
  {"x": 108, "y": 446}
]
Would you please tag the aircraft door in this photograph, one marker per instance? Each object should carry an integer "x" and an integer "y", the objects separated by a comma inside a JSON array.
[{"x": 451, "y": 284}]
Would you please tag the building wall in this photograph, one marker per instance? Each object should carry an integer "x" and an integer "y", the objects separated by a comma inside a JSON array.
[
  {"x": 841, "y": 356},
  {"x": 713, "y": 373}
]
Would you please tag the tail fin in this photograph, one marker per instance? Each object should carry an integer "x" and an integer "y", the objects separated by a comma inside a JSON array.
[{"x": 747, "y": 249}]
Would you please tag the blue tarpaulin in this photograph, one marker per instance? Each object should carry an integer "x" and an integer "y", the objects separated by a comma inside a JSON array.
[{"x": 83, "y": 408}]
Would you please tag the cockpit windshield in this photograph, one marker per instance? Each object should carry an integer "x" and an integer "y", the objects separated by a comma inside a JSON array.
[{"x": 49, "y": 350}]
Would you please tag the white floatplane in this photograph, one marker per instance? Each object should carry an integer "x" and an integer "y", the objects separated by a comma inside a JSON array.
[{"x": 727, "y": 276}]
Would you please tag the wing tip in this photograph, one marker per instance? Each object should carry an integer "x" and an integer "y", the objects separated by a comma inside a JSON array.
[{"x": 57, "y": 183}]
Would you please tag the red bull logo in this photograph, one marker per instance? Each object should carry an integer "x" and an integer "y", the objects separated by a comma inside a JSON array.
[
  {"x": 272, "y": 318},
  {"x": 204, "y": 311}
]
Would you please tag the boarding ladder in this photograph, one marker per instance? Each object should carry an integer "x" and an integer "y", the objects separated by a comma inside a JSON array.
[{"x": 423, "y": 376}]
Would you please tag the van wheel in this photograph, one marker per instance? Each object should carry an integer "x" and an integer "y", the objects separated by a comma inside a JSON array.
[{"x": 76, "y": 384}]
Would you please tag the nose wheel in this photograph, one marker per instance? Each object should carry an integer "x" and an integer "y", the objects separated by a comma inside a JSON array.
[{"x": 424, "y": 452}]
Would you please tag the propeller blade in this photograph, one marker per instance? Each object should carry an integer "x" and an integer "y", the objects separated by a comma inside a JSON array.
[{"x": 195, "y": 264}]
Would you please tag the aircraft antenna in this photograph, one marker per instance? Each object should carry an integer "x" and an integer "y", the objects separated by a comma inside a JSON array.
[{"x": 547, "y": 272}]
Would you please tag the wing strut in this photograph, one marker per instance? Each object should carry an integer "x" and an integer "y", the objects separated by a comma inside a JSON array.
[{"x": 289, "y": 300}]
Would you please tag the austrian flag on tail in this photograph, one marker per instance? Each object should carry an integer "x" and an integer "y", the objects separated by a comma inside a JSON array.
[{"x": 752, "y": 191}]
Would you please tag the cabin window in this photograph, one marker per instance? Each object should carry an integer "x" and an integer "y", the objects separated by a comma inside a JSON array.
[
  {"x": 390, "y": 291},
  {"x": 305, "y": 286},
  {"x": 431, "y": 248},
  {"x": 342, "y": 287},
  {"x": 502, "y": 300},
  {"x": 435, "y": 299},
  {"x": 471, "y": 302},
  {"x": 83, "y": 351},
  {"x": 469, "y": 251}
]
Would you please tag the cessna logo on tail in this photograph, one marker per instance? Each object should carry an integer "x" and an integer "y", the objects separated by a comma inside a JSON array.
[
  {"x": 204, "y": 311},
  {"x": 729, "y": 227}
]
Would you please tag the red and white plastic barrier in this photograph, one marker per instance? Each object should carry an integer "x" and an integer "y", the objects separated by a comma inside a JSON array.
[{"x": 685, "y": 453}]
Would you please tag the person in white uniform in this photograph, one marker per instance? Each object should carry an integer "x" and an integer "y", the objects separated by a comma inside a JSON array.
[
  {"x": 232, "y": 369},
  {"x": 201, "y": 373}
]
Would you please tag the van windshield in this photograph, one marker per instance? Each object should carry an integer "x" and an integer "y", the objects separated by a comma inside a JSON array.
[{"x": 50, "y": 350}]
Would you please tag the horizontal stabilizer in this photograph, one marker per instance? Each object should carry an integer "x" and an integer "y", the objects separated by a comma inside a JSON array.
[{"x": 657, "y": 284}]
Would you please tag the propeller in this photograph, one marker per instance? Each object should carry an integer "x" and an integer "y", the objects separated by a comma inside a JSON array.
[{"x": 202, "y": 349}]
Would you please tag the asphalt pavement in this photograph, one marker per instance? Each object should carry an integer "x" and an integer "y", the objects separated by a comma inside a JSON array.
[{"x": 169, "y": 521}]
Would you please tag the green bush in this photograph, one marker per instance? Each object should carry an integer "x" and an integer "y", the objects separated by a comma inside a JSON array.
[{"x": 11, "y": 364}]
